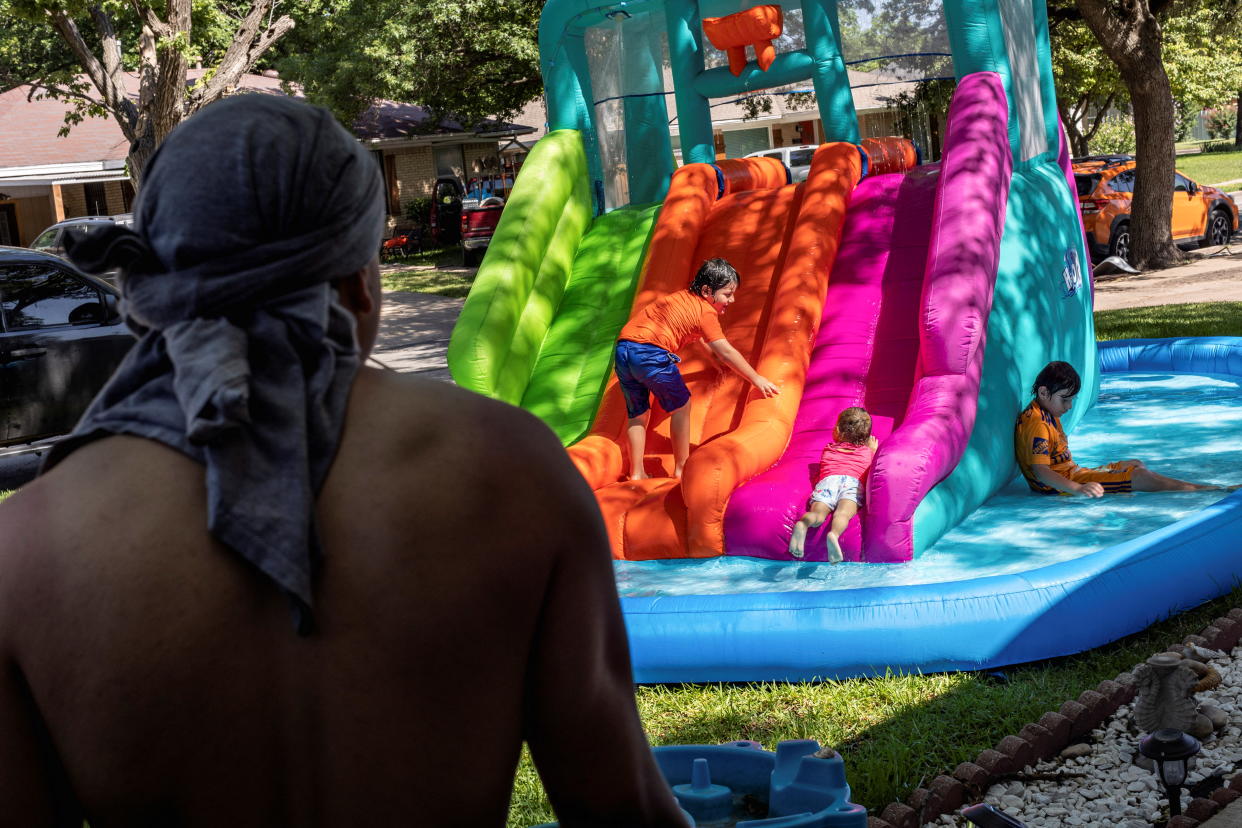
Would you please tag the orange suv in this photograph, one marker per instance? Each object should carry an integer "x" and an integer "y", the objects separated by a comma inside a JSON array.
[{"x": 1201, "y": 214}]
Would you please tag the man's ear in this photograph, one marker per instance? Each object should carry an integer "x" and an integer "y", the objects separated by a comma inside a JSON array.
[{"x": 356, "y": 292}]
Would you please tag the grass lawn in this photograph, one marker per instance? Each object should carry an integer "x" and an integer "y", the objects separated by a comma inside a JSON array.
[
  {"x": 430, "y": 279},
  {"x": 437, "y": 256},
  {"x": 898, "y": 732},
  {"x": 5, "y": 493},
  {"x": 1212, "y": 167},
  {"x": 895, "y": 732},
  {"x": 1195, "y": 319},
  {"x": 439, "y": 282}
]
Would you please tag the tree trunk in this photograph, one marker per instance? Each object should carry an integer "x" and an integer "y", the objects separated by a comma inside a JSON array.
[
  {"x": 1070, "y": 121},
  {"x": 1130, "y": 35},
  {"x": 1151, "y": 213},
  {"x": 1237, "y": 126},
  {"x": 162, "y": 101},
  {"x": 140, "y": 152}
]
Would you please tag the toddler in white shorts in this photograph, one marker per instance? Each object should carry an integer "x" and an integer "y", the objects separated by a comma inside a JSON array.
[{"x": 839, "y": 491}]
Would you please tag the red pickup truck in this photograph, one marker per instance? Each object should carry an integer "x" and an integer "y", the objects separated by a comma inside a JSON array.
[{"x": 478, "y": 223}]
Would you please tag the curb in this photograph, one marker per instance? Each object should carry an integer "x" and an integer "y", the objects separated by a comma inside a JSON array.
[{"x": 1055, "y": 731}]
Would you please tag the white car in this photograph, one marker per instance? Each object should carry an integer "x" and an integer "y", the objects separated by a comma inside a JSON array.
[{"x": 796, "y": 159}]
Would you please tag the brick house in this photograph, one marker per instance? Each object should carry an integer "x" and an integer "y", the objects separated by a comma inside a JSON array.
[
  {"x": 737, "y": 135},
  {"x": 412, "y": 157},
  {"x": 45, "y": 178}
]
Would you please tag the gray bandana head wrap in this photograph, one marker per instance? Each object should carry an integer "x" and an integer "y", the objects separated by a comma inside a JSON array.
[{"x": 245, "y": 358}]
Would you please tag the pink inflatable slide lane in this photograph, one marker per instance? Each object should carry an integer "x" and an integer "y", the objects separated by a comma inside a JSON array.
[{"x": 903, "y": 335}]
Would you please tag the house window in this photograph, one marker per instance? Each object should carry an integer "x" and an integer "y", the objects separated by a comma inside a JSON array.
[
  {"x": 450, "y": 161},
  {"x": 96, "y": 199}
]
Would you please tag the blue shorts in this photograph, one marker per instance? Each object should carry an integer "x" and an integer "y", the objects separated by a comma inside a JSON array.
[{"x": 643, "y": 370}]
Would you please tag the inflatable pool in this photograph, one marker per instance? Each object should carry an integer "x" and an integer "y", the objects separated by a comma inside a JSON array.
[
  {"x": 930, "y": 293},
  {"x": 970, "y": 624}
]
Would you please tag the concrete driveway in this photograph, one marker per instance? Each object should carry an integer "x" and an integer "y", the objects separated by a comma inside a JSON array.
[{"x": 414, "y": 333}]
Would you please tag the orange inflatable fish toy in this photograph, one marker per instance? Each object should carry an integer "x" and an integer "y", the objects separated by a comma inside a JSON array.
[{"x": 753, "y": 27}]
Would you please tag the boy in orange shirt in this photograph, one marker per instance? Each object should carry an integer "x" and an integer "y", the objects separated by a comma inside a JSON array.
[
  {"x": 646, "y": 358},
  {"x": 1043, "y": 454}
]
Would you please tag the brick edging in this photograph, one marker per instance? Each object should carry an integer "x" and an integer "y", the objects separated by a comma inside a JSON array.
[{"x": 1044, "y": 739}]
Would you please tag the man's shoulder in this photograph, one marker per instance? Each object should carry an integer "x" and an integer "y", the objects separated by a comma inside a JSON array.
[{"x": 405, "y": 425}]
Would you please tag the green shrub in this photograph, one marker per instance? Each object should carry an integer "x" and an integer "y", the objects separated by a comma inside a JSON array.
[
  {"x": 1115, "y": 135},
  {"x": 418, "y": 210},
  {"x": 1221, "y": 122},
  {"x": 1219, "y": 146}
]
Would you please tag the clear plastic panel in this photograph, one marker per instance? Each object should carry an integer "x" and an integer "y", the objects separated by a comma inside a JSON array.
[
  {"x": 900, "y": 67},
  {"x": 629, "y": 66},
  {"x": 895, "y": 40},
  {"x": 604, "y": 49}
]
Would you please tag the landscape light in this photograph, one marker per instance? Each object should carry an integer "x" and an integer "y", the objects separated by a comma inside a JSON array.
[{"x": 1170, "y": 749}]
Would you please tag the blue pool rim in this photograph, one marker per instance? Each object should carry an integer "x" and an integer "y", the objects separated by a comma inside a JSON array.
[{"x": 973, "y": 624}]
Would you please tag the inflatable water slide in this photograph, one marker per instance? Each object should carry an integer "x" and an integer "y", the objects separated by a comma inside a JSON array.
[
  {"x": 782, "y": 238},
  {"x": 929, "y": 293},
  {"x": 903, "y": 335},
  {"x": 552, "y": 293}
]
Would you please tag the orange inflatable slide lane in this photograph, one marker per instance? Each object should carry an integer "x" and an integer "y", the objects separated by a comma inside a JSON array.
[{"x": 782, "y": 239}]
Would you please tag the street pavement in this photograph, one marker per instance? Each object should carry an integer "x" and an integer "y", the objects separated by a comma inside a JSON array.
[{"x": 414, "y": 333}]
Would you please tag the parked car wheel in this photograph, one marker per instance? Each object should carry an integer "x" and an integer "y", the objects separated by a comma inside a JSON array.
[
  {"x": 1119, "y": 244},
  {"x": 1219, "y": 229},
  {"x": 471, "y": 258}
]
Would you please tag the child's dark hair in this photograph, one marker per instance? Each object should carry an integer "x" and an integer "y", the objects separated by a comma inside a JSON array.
[
  {"x": 714, "y": 274},
  {"x": 1057, "y": 376},
  {"x": 854, "y": 425}
]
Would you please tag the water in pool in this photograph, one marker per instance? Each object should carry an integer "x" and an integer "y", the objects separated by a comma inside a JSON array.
[{"x": 1181, "y": 425}]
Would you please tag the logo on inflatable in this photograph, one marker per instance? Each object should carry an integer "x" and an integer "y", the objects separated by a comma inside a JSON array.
[{"x": 1071, "y": 273}]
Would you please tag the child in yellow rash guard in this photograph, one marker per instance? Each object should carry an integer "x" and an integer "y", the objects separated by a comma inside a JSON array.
[{"x": 1043, "y": 454}]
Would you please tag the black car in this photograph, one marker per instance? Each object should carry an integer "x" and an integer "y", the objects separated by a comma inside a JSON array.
[{"x": 61, "y": 337}]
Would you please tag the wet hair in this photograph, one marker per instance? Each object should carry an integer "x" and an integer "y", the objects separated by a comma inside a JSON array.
[
  {"x": 714, "y": 274},
  {"x": 1057, "y": 376},
  {"x": 854, "y": 425}
]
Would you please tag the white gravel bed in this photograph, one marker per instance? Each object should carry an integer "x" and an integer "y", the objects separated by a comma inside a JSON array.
[{"x": 1095, "y": 784}]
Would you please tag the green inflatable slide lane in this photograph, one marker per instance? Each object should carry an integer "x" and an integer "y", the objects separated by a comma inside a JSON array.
[{"x": 552, "y": 293}]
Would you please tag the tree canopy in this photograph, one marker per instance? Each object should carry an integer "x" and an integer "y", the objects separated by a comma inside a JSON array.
[
  {"x": 465, "y": 60},
  {"x": 83, "y": 50}
]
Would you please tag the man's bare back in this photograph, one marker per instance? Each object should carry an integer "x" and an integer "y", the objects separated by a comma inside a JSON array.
[{"x": 152, "y": 677}]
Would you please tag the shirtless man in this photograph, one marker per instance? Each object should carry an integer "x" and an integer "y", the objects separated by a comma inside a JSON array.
[{"x": 464, "y": 603}]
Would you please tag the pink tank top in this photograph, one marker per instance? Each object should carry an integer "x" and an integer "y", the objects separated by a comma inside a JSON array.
[{"x": 845, "y": 458}]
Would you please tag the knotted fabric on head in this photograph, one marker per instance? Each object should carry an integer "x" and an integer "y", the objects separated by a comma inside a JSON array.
[{"x": 245, "y": 358}]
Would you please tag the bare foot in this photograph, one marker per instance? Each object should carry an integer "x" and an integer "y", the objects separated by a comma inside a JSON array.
[
  {"x": 677, "y": 472},
  {"x": 796, "y": 540},
  {"x": 834, "y": 550},
  {"x": 1231, "y": 488},
  {"x": 642, "y": 475}
]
